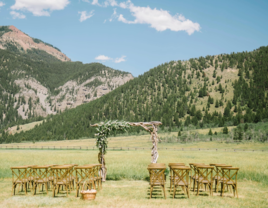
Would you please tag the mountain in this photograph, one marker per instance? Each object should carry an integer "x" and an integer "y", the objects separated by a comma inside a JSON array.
[
  {"x": 36, "y": 79},
  {"x": 15, "y": 40},
  {"x": 220, "y": 90}
]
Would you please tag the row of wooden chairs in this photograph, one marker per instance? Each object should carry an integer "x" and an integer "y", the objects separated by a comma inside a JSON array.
[
  {"x": 198, "y": 174},
  {"x": 56, "y": 176}
]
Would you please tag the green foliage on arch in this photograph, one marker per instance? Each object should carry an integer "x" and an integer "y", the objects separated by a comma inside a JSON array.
[{"x": 104, "y": 129}]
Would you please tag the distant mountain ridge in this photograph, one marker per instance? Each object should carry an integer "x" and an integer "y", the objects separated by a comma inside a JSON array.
[
  {"x": 10, "y": 36},
  {"x": 211, "y": 91},
  {"x": 37, "y": 79}
]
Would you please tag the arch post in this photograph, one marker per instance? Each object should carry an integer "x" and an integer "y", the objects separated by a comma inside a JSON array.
[{"x": 151, "y": 127}]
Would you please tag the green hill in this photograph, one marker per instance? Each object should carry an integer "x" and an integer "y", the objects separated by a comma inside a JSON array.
[{"x": 226, "y": 89}]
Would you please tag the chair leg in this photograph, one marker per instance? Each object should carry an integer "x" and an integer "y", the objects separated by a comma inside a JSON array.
[
  {"x": 183, "y": 188},
  {"x": 25, "y": 186},
  {"x": 217, "y": 186},
  {"x": 188, "y": 191},
  {"x": 66, "y": 188},
  {"x": 171, "y": 184},
  {"x": 13, "y": 191},
  {"x": 46, "y": 187},
  {"x": 191, "y": 181},
  {"x": 236, "y": 190},
  {"x": 77, "y": 190},
  {"x": 198, "y": 184},
  {"x": 53, "y": 191},
  {"x": 174, "y": 191},
  {"x": 164, "y": 190},
  {"x": 211, "y": 189},
  {"x": 34, "y": 189},
  {"x": 194, "y": 181},
  {"x": 222, "y": 189},
  {"x": 151, "y": 192}
]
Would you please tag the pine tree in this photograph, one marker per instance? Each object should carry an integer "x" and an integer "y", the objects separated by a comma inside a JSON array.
[
  {"x": 210, "y": 132},
  {"x": 217, "y": 104},
  {"x": 225, "y": 130}
]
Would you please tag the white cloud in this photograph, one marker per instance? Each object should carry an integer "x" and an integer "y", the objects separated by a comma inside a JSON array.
[
  {"x": 84, "y": 15},
  {"x": 95, "y": 2},
  {"x": 123, "y": 5},
  {"x": 1, "y": 4},
  {"x": 121, "y": 59},
  {"x": 114, "y": 15},
  {"x": 87, "y": 1},
  {"x": 160, "y": 20},
  {"x": 17, "y": 15},
  {"x": 103, "y": 58},
  {"x": 110, "y": 3},
  {"x": 40, "y": 7}
]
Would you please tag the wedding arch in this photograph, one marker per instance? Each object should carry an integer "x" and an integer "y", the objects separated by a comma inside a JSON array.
[{"x": 104, "y": 129}]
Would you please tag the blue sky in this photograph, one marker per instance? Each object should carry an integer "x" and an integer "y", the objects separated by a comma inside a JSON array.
[{"x": 136, "y": 36}]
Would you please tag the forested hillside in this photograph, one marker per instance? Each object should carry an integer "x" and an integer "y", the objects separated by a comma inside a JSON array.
[{"x": 226, "y": 89}]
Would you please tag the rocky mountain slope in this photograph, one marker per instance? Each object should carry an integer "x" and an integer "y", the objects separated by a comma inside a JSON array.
[
  {"x": 13, "y": 37},
  {"x": 36, "y": 79}
]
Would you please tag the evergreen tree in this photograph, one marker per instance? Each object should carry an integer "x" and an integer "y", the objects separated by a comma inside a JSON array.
[
  {"x": 210, "y": 132},
  {"x": 225, "y": 130}
]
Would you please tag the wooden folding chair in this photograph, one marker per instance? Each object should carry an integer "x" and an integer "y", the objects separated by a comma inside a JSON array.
[
  {"x": 218, "y": 174},
  {"x": 40, "y": 174},
  {"x": 157, "y": 177},
  {"x": 205, "y": 176},
  {"x": 194, "y": 174},
  {"x": 19, "y": 176},
  {"x": 72, "y": 175},
  {"x": 229, "y": 179},
  {"x": 181, "y": 178},
  {"x": 62, "y": 177},
  {"x": 50, "y": 176},
  {"x": 171, "y": 172},
  {"x": 84, "y": 174},
  {"x": 97, "y": 175},
  {"x": 30, "y": 176}
]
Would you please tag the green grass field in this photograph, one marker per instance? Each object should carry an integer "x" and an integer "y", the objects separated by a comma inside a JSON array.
[{"x": 126, "y": 184}]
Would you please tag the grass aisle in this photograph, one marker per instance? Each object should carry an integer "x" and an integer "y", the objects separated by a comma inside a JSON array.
[{"x": 127, "y": 193}]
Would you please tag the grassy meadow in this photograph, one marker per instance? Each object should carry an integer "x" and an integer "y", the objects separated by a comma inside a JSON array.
[{"x": 127, "y": 176}]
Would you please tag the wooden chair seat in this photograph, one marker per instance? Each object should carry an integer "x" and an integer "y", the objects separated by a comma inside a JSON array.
[
  {"x": 22, "y": 181},
  {"x": 41, "y": 181},
  {"x": 183, "y": 183}
]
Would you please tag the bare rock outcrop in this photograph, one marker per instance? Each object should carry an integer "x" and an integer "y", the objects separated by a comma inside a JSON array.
[
  {"x": 21, "y": 40},
  {"x": 71, "y": 94}
]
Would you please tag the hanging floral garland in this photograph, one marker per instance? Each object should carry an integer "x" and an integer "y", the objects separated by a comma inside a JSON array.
[{"x": 104, "y": 129}]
